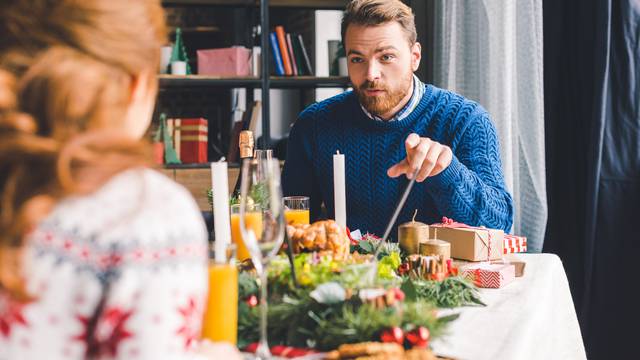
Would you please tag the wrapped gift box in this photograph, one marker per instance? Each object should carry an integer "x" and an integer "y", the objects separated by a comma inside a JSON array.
[
  {"x": 517, "y": 263},
  {"x": 190, "y": 139},
  {"x": 514, "y": 244},
  {"x": 468, "y": 242},
  {"x": 493, "y": 276},
  {"x": 233, "y": 61}
]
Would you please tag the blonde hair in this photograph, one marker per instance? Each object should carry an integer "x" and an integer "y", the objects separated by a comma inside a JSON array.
[
  {"x": 66, "y": 73},
  {"x": 378, "y": 12}
]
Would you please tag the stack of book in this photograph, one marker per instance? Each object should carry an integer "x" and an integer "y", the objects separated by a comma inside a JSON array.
[{"x": 289, "y": 54}]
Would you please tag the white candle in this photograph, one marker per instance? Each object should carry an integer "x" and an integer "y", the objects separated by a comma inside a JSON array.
[
  {"x": 221, "y": 222},
  {"x": 339, "y": 197}
]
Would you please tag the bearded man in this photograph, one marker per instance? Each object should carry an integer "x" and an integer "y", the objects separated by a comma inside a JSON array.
[{"x": 392, "y": 127}]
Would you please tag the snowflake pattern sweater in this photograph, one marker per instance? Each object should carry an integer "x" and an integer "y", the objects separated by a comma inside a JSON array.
[
  {"x": 117, "y": 274},
  {"x": 470, "y": 190}
]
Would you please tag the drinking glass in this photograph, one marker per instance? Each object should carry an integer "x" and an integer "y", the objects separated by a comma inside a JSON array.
[
  {"x": 296, "y": 209},
  {"x": 261, "y": 192},
  {"x": 221, "y": 312},
  {"x": 252, "y": 219}
]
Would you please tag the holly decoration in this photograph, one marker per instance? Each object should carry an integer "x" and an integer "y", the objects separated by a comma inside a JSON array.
[
  {"x": 418, "y": 337},
  {"x": 392, "y": 335}
]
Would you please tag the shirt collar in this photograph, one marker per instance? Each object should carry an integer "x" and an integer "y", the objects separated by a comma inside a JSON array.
[{"x": 416, "y": 96}]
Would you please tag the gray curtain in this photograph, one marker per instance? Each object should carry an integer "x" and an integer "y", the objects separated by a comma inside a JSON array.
[{"x": 491, "y": 51}]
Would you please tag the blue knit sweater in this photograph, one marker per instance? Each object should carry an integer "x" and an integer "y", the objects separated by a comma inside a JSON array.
[{"x": 470, "y": 190}]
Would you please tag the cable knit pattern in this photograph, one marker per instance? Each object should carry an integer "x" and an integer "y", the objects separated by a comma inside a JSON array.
[{"x": 470, "y": 190}]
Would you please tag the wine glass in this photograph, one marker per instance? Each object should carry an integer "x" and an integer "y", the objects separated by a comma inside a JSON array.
[{"x": 261, "y": 193}]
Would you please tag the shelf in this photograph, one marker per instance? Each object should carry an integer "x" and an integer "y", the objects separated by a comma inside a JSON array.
[
  {"x": 196, "y": 166},
  {"x": 276, "y": 82},
  {"x": 313, "y": 4}
]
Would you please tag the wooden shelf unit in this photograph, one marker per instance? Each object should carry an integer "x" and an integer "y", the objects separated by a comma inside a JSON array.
[{"x": 277, "y": 82}]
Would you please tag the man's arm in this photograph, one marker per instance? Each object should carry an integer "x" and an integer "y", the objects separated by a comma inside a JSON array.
[
  {"x": 471, "y": 189},
  {"x": 467, "y": 186},
  {"x": 298, "y": 178}
]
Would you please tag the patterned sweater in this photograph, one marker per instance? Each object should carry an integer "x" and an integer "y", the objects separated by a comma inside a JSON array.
[
  {"x": 120, "y": 273},
  {"x": 470, "y": 190}
]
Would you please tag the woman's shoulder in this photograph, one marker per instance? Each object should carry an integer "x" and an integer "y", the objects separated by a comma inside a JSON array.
[{"x": 137, "y": 203}]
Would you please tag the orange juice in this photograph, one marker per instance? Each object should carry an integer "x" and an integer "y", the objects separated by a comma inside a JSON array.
[
  {"x": 253, "y": 220},
  {"x": 296, "y": 216},
  {"x": 221, "y": 314}
]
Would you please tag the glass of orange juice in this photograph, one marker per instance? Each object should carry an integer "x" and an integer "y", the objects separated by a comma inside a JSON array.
[
  {"x": 296, "y": 209},
  {"x": 253, "y": 220},
  {"x": 221, "y": 313}
]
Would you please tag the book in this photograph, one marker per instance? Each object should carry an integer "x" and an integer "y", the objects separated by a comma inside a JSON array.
[
  {"x": 177, "y": 138},
  {"x": 298, "y": 55},
  {"x": 294, "y": 65},
  {"x": 282, "y": 42},
  {"x": 307, "y": 61},
  {"x": 256, "y": 115},
  {"x": 275, "y": 50},
  {"x": 174, "y": 135}
]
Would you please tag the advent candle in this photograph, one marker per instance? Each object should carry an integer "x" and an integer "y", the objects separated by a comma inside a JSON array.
[
  {"x": 339, "y": 197},
  {"x": 221, "y": 222}
]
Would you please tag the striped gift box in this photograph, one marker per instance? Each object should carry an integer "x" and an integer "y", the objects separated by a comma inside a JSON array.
[
  {"x": 514, "y": 244},
  {"x": 194, "y": 140},
  {"x": 490, "y": 275}
]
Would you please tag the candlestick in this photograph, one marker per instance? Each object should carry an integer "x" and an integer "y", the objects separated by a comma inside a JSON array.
[
  {"x": 221, "y": 222},
  {"x": 339, "y": 197}
]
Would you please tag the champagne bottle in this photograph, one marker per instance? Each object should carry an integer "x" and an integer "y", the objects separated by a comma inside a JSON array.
[{"x": 246, "y": 152}]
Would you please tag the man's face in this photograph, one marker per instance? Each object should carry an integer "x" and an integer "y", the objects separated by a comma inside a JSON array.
[{"x": 381, "y": 63}]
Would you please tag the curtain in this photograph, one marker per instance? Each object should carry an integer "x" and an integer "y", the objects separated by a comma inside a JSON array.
[
  {"x": 491, "y": 51},
  {"x": 593, "y": 58}
]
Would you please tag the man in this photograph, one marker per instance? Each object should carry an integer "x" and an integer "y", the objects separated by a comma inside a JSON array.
[{"x": 392, "y": 127}]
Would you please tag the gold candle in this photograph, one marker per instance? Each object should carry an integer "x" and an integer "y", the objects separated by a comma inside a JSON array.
[
  {"x": 436, "y": 247},
  {"x": 410, "y": 234}
]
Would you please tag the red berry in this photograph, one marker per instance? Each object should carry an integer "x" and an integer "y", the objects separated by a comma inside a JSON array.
[
  {"x": 392, "y": 335},
  {"x": 252, "y": 301},
  {"x": 419, "y": 337},
  {"x": 399, "y": 294},
  {"x": 423, "y": 333},
  {"x": 403, "y": 268}
]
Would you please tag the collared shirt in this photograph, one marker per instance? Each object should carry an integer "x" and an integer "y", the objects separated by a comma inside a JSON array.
[{"x": 418, "y": 91}]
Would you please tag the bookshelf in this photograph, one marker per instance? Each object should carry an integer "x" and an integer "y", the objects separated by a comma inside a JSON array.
[
  {"x": 265, "y": 81},
  {"x": 228, "y": 21}
]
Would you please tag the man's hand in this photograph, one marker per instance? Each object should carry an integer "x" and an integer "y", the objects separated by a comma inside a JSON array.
[{"x": 424, "y": 155}]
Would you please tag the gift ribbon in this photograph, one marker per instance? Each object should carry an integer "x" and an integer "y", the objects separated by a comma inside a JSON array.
[{"x": 450, "y": 223}]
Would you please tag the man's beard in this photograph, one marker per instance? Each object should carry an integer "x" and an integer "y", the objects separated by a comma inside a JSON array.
[{"x": 379, "y": 105}]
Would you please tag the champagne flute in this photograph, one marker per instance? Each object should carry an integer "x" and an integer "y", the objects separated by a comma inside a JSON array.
[{"x": 261, "y": 192}]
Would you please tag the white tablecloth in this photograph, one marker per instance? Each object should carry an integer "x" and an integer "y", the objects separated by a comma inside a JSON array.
[{"x": 531, "y": 318}]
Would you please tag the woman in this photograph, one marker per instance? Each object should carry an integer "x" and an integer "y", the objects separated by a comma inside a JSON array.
[{"x": 100, "y": 257}]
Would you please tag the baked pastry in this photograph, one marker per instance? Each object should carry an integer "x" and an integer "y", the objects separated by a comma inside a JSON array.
[
  {"x": 419, "y": 354},
  {"x": 321, "y": 236},
  {"x": 371, "y": 350}
]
